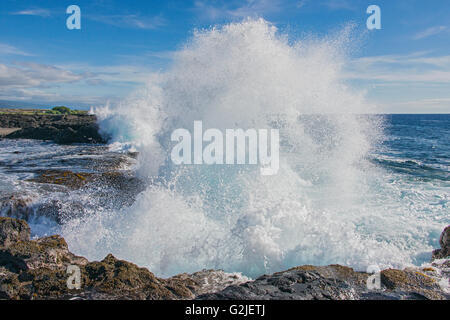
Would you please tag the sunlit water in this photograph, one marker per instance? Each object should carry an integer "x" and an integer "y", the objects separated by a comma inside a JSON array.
[{"x": 352, "y": 189}]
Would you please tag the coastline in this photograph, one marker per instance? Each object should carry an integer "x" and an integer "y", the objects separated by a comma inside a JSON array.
[
  {"x": 37, "y": 269},
  {"x": 7, "y": 131},
  {"x": 61, "y": 128}
]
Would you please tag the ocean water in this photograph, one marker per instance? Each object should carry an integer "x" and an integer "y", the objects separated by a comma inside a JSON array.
[
  {"x": 354, "y": 187},
  {"x": 418, "y": 145}
]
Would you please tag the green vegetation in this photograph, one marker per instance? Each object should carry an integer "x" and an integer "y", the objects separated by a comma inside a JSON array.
[
  {"x": 52, "y": 112},
  {"x": 64, "y": 110},
  {"x": 60, "y": 110}
]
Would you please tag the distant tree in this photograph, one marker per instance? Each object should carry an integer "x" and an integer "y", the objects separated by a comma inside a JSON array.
[
  {"x": 62, "y": 109},
  {"x": 52, "y": 112}
]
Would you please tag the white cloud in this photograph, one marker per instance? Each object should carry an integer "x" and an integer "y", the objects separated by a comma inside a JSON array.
[
  {"x": 430, "y": 32},
  {"x": 416, "y": 67},
  {"x": 6, "y": 49},
  {"x": 428, "y": 105},
  {"x": 256, "y": 7},
  {"x": 34, "y": 82},
  {"x": 233, "y": 9},
  {"x": 135, "y": 74},
  {"x": 409, "y": 83},
  {"x": 339, "y": 5},
  {"x": 301, "y": 4},
  {"x": 125, "y": 20},
  {"x": 26, "y": 74},
  {"x": 161, "y": 54},
  {"x": 149, "y": 57},
  {"x": 130, "y": 21},
  {"x": 36, "y": 95},
  {"x": 33, "y": 12}
]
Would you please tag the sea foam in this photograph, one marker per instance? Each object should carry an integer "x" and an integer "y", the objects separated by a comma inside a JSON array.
[{"x": 325, "y": 204}]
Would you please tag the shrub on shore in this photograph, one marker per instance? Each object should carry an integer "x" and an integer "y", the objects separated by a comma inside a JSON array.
[
  {"x": 64, "y": 110},
  {"x": 54, "y": 111}
]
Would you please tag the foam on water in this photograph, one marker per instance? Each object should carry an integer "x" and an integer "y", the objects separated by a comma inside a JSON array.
[{"x": 327, "y": 204}]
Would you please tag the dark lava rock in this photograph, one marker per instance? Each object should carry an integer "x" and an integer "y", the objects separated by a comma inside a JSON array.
[
  {"x": 112, "y": 188},
  {"x": 37, "y": 269},
  {"x": 75, "y": 180},
  {"x": 49, "y": 253},
  {"x": 412, "y": 283},
  {"x": 12, "y": 231},
  {"x": 333, "y": 282},
  {"x": 301, "y": 283},
  {"x": 70, "y": 179},
  {"x": 120, "y": 279},
  {"x": 27, "y": 207},
  {"x": 17, "y": 206},
  {"x": 444, "y": 241},
  {"x": 63, "y": 129},
  {"x": 22, "y": 260}
]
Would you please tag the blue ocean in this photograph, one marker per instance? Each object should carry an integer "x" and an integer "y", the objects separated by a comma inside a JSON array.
[
  {"x": 418, "y": 145},
  {"x": 394, "y": 218},
  {"x": 352, "y": 188}
]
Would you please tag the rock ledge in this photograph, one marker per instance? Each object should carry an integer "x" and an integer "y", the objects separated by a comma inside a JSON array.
[{"x": 37, "y": 269}]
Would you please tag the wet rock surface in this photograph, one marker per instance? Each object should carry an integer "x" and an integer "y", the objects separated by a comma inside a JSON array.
[
  {"x": 444, "y": 241},
  {"x": 13, "y": 231},
  {"x": 111, "y": 188},
  {"x": 37, "y": 269},
  {"x": 58, "y": 194},
  {"x": 63, "y": 129},
  {"x": 17, "y": 206},
  {"x": 333, "y": 282},
  {"x": 76, "y": 180}
]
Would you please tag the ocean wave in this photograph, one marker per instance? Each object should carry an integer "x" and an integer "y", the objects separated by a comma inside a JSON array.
[{"x": 327, "y": 204}]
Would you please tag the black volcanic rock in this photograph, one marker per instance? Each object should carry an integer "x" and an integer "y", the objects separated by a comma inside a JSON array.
[
  {"x": 17, "y": 206},
  {"x": 37, "y": 269},
  {"x": 444, "y": 241},
  {"x": 12, "y": 231},
  {"x": 63, "y": 129},
  {"x": 333, "y": 282}
]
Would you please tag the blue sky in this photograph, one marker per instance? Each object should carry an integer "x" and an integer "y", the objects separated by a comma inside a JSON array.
[{"x": 405, "y": 66}]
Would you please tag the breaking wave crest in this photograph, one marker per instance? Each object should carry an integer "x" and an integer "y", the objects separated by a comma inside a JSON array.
[{"x": 327, "y": 204}]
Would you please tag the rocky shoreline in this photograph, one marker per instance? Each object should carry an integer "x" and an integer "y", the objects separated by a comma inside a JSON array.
[
  {"x": 37, "y": 269},
  {"x": 62, "y": 129}
]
